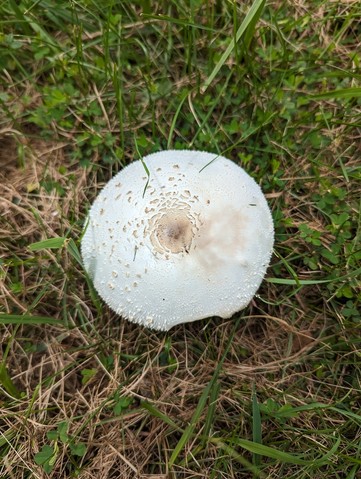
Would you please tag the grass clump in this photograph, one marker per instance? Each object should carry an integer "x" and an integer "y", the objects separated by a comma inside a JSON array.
[{"x": 85, "y": 88}]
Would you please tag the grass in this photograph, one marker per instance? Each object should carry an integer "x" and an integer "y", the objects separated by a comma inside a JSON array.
[{"x": 87, "y": 87}]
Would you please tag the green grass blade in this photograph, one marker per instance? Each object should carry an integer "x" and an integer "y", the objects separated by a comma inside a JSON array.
[
  {"x": 174, "y": 121},
  {"x": 291, "y": 412},
  {"x": 74, "y": 251},
  {"x": 248, "y": 35},
  {"x": 156, "y": 413},
  {"x": 57, "y": 243},
  {"x": 6, "y": 382},
  {"x": 354, "y": 92},
  {"x": 28, "y": 319},
  {"x": 117, "y": 78},
  {"x": 349, "y": 414},
  {"x": 306, "y": 282},
  {"x": 230, "y": 451},
  {"x": 6, "y": 438},
  {"x": 208, "y": 423},
  {"x": 256, "y": 426},
  {"x": 211, "y": 109},
  {"x": 285, "y": 457},
  {"x": 196, "y": 415},
  {"x": 72, "y": 248},
  {"x": 176, "y": 21},
  {"x": 289, "y": 268},
  {"x": 256, "y": 7},
  {"x": 51, "y": 243},
  {"x": 146, "y": 169},
  {"x": 20, "y": 17},
  {"x": 201, "y": 403}
]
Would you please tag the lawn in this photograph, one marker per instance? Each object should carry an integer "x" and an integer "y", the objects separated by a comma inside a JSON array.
[{"x": 87, "y": 87}]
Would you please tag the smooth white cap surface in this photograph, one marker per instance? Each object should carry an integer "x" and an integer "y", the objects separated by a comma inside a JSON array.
[{"x": 195, "y": 243}]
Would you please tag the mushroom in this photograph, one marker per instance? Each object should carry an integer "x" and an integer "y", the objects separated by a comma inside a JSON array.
[{"x": 191, "y": 240}]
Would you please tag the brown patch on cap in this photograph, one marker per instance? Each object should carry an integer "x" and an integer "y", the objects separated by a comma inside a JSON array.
[{"x": 220, "y": 236}]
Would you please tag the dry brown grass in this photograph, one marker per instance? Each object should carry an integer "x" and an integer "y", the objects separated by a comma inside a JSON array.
[
  {"x": 275, "y": 352},
  {"x": 269, "y": 351}
]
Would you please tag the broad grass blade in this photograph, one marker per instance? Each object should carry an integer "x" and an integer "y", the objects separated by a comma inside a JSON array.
[{"x": 249, "y": 22}]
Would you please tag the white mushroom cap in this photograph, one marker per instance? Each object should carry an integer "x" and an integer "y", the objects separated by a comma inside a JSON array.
[{"x": 196, "y": 242}]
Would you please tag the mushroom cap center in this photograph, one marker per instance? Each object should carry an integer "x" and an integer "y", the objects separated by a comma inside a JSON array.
[{"x": 174, "y": 231}]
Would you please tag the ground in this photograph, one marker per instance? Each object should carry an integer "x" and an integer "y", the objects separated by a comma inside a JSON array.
[{"x": 87, "y": 88}]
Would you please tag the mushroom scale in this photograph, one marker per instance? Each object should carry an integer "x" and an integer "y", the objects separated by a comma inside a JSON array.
[{"x": 195, "y": 243}]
